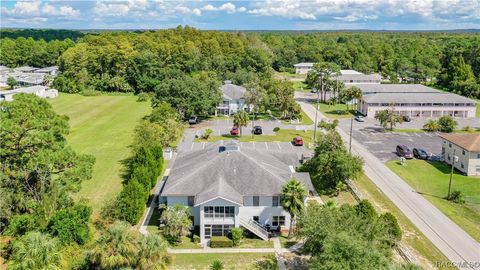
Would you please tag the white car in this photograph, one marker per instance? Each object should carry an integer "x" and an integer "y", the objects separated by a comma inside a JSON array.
[{"x": 360, "y": 118}]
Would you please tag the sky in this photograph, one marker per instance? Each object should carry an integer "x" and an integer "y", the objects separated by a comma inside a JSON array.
[{"x": 243, "y": 15}]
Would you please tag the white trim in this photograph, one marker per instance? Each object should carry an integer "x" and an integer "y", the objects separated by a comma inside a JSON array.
[{"x": 218, "y": 197}]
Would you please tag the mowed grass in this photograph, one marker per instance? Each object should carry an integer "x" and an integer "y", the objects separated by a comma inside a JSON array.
[
  {"x": 103, "y": 127},
  {"x": 337, "y": 111},
  {"x": 432, "y": 178},
  {"x": 478, "y": 109},
  {"x": 230, "y": 260}
]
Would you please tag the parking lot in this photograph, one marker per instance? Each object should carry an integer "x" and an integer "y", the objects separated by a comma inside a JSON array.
[
  {"x": 272, "y": 146},
  {"x": 383, "y": 144}
]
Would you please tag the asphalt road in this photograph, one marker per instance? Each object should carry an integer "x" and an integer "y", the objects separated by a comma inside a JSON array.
[{"x": 459, "y": 247}]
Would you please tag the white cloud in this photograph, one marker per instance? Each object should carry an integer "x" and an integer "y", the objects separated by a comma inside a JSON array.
[
  {"x": 186, "y": 10},
  {"x": 228, "y": 7},
  {"x": 37, "y": 11},
  {"x": 63, "y": 11}
]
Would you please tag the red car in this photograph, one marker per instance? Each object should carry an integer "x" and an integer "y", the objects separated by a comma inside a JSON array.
[
  {"x": 235, "y": 131},
  {"x": 297, "y": 141}
]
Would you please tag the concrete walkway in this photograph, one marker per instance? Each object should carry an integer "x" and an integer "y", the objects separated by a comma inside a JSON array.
[
  {"x": 224, "y": 250},
  {"x": 459, "y": 247}
]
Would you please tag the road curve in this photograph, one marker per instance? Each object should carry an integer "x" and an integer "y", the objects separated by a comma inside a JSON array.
[{"x": 459, "y": 247}]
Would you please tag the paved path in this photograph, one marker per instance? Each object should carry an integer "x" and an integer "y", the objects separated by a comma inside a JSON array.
[
  {"x": 223, "y": 250},
  {"x": 459, "y": 247}
]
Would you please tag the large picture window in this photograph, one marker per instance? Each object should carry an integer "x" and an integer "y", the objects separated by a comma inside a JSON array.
[
  {"x": 219, "y": 211},
  {"x": 256, "y": 201},
  {"x": 208, "y": 211}
]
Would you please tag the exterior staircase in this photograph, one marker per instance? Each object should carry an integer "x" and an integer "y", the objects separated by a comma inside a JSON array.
[{"x": 255, "y": 228}]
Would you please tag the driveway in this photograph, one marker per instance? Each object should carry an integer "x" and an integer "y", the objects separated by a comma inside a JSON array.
[{"x": 459, "y": 247}]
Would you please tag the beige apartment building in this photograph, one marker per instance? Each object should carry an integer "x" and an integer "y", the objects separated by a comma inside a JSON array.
[{"x": 467, "y": 148}]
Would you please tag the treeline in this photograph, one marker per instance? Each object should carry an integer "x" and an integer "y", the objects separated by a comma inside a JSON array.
[
  {"x": 451, "y": 60},
  {"x": 38, "y": 34},
  {"x": 27, "y": 51}
]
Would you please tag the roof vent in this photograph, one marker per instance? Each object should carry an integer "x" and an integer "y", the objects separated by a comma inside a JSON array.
[
  {"x": 227, "y": 82},
  {"x": 230, "y": 146}
]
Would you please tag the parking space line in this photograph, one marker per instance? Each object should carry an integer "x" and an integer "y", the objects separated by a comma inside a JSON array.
[
  {"x": 203, "y": 145},
  {"x": 253, "y": 144},
  {"x": 279, "y": 147},
  {"x": 266, "y": 145},
  {"x": 191, "y": 146}
]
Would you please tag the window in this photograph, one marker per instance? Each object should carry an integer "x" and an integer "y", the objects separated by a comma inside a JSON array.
[
  {"x": 257, "y": 219},
  {"x": 219, "y": 211},
  {"x": 208, "y": 211},
  {"x": 461, "y": 165},
  {"x": 450, "y": 145},
  {"x": 478, "y": 155},
  {"x": 278, "y": 221},
  {"x": 208, "y": 231},
  {"x": 229, "y": 211},
  {"x": 275, "y": 200},
  {"x": 217, "y": 230},
  {"x": 190, "y": 200},
  {"x": 256, "y": 201},
  {"x": 463, "y": 152}
]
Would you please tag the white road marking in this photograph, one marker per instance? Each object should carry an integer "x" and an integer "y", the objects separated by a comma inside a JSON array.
[
  {"x": 191, "y": 147},
  {"x": 266, "y": 145},
  {"x": 279, "y": 147},
  {"x": 203, "y": 145}
]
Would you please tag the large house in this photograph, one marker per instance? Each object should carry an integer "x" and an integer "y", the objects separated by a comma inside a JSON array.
[
  {"x": 27, "y": 76},
  {"x": 464, "y": 146},
  {"x": 347, "y": 76},
  {"x": 233, "y": 99},
  {"x": 414, "y": 100},
  {"x": 227, "y": 187}
]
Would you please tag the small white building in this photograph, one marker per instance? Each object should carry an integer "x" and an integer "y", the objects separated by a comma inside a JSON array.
[
  {"x": 414, "y": 100},
  {"x": 303, "y": 68},
  {"x": 466, "y": 147},
  {"x": 38, "y": 90},
  {"x": 52, "y": 71},
  {"x": 233, "y": 99},
  {"x": 227, "y": 187}
]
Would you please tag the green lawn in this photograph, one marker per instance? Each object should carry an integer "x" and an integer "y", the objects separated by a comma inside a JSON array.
[
  {"x": 478, "y": 109},
  {"x": 283, "y": 135},
  {"x": 336, "y": 111},
  {"x": 422, "y": 248},
  {"x": 229, "y": 260},
  {"x": 432, "y": 178},
  {"x": 101, "y": 126},
  {"x": 301, "y": 86}
]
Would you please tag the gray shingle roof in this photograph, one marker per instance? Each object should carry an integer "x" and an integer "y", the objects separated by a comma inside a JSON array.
[
  {"x": 232, "y": 91},
  {"x": 359, "y": 77},
  {"x": 209, "y": 173},
  {"x": 304, "y": 64},
  {"x": 395, "y": 88}
]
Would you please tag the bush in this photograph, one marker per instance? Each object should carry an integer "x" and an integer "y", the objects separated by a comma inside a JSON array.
[
  {"x": 276, "y": 129},
  {"x": 467, "y": 128},
  {"x": 207, "y": 133},
  {"x": 237, "y": 236},
  {"x": 456, "y": 196},
  {"x": 220, "y": 242},
  {"x": 447, "y": 123},
  {"x": 71, "y": 224},
  {"x": 20, "y": 225},
  {"x": 216, "y": 265},
  {"x": 431, "y": 125},
  {"x": 131, "y": 202},
  {"x": 195, "y": 239},
  {"x": 142, "y": 97}
]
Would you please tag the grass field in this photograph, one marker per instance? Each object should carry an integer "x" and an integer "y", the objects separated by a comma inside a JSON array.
[
  {"x": 478, "y": 109},
  {"x": 283, "y": 135},
  {"x": 103, "y": 127},
  {"x": 229, "y": 260},
  {"x": 336, "y": 111},
  {"x": 432, "y": 178},
  {"x": 423, "y": 249}
]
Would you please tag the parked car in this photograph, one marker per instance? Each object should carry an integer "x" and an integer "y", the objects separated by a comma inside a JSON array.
[
  {"x": 407, "y": 118},
  {"x": 404, "y": 151},
  {"x": 298, "y": 141},
  {"x": 192, "y": 120},
  {"x": 313, "y": 90},
  {"x": 235, "y": 131},
  {"x": 360, "y": 118},
  {"x": 257, "y": 130},
  {"x": 420, "y": 153}
]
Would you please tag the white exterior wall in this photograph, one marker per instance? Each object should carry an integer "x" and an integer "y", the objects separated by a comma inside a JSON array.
[
  {"x": 468, "y": 162},
  {"x": 232, "y": 106},
  {"x": 420, "y": 111},
  {"x": 302, "y": 70}
]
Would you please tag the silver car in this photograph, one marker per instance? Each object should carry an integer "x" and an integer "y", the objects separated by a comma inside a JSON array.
[{"x": 360, "y": 118}]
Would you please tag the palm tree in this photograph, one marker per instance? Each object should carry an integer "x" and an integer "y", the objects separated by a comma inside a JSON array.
[
  {"x": 116, "y": 248},
  {"x": 35, "y": 251},
  {"x": 293, "y": 195},
  {"x": 431, "y": 125},
  {"x": 240, "y": 119},
  {"x": 153, "y": 253}
]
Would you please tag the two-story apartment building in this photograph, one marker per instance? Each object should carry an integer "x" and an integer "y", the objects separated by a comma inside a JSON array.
[
  {"x": 233, "y": 99},
  {"x": 227, "y": 187},
  {"x": 466, "y": 147}
]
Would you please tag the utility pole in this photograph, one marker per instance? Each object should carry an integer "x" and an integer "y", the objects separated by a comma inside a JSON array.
[
  {"x": 351, "y": 129},
  {"x": 451, "y": 173}
]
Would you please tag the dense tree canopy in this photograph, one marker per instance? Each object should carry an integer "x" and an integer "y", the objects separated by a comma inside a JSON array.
[{"x": 38, "y": 170}]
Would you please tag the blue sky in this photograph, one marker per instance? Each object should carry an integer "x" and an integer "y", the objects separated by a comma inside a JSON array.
[{"x": 243, "y": 15}]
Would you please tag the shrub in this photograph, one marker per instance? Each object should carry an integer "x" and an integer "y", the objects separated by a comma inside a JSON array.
[
  {"x": 20, "y": 225},
  {"x": 431, "y": 125},
  {"x": 220, "y": 242},
  {"x": 71, "y": 224},
  {"x": 216, "y": 265},
  {"x": 456, "y": 196},
  {"x": 447, "y": 123},
  {"x": 276, "y": 129},
  {"x": 237, "y": 236},
  {"x": 392, "y": 229},
  {"x": 131, "y": 202},
  {"x": 177, "y": 222},
  {"x": 195, "y": 239},
  {"x": 207, "y": 133},
  {"x": 467, "y": 128},
  {"x": 142, "y": 97}
]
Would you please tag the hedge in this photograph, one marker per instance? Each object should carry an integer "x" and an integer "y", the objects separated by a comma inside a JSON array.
[{"x": 220, "y": 242}]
